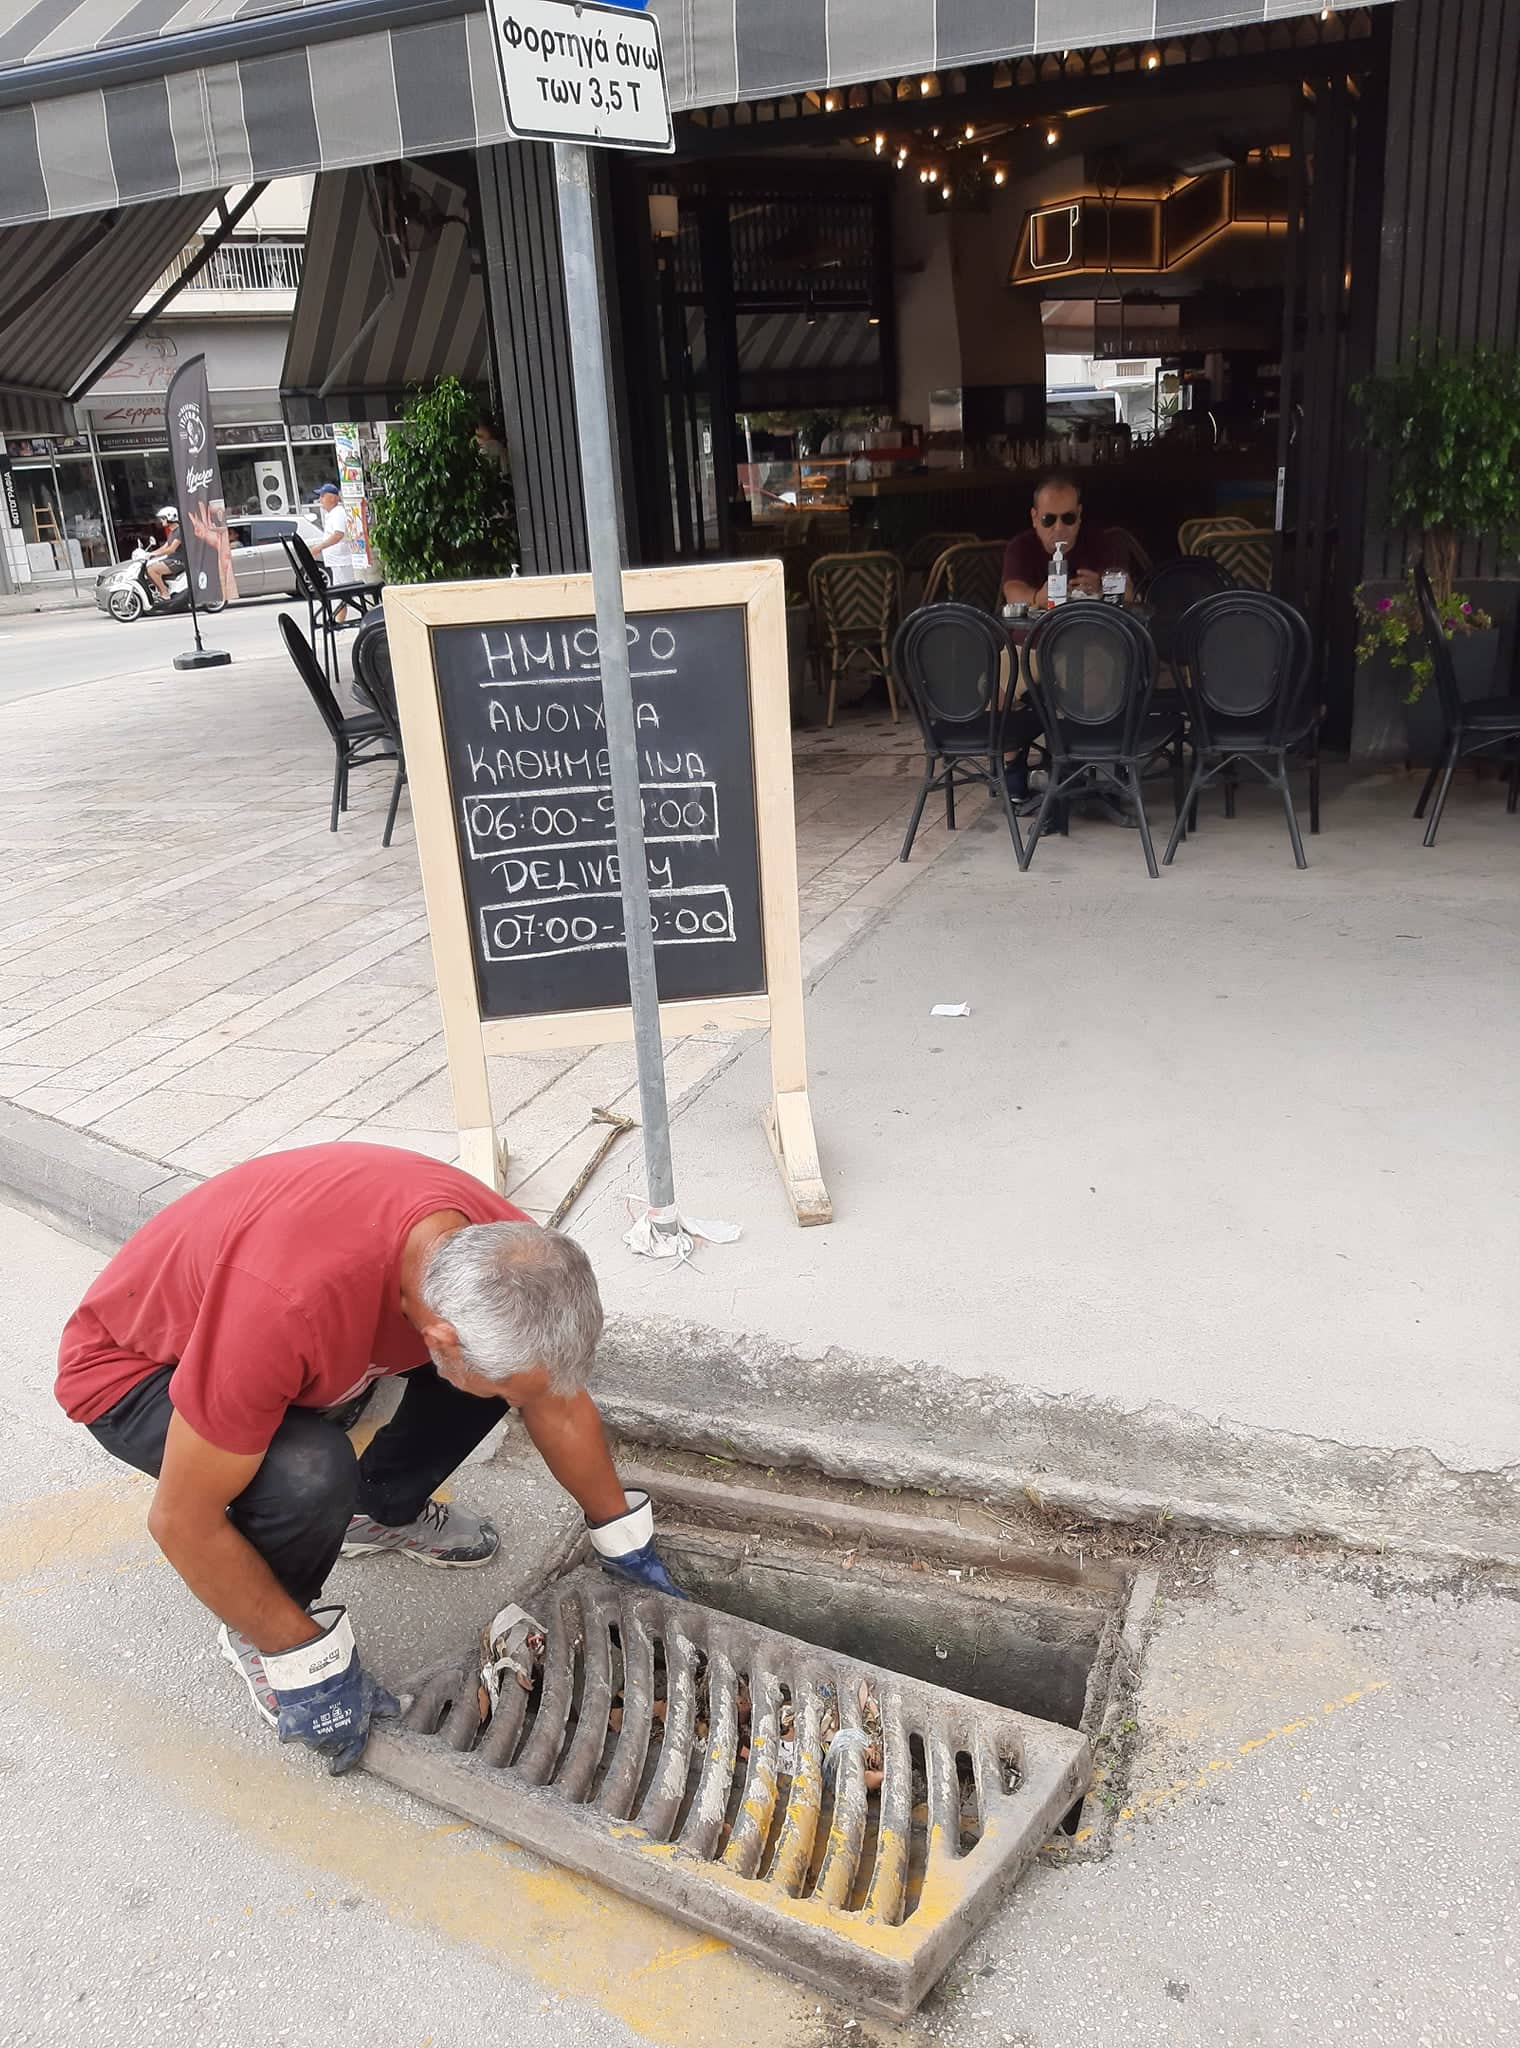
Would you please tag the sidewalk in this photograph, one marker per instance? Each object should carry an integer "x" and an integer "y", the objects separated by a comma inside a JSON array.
[
  {"x": 193, "y": 968},
  {"x": 47, "y": 597}
]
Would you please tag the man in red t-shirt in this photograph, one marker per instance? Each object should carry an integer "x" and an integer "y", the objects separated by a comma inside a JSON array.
[
  {"x": 220, "y": 1347},
  {"x": 1056, "y": 515}
]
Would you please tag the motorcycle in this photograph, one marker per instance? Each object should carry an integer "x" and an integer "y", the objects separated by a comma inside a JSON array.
[{"x": 126, "y": 593}]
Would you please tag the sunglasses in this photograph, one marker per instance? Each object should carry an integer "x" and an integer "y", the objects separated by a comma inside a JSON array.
[{"x": 1063, "y": 518}]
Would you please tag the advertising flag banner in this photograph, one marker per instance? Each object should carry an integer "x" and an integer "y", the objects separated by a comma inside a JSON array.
[{"x": 198, "y": 486}]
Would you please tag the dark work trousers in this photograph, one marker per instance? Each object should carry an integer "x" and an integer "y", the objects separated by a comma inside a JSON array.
[{"x": 296, "y": 1509}]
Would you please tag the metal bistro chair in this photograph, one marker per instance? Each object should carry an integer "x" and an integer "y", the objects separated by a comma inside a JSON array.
[
  {"x": 950, "y": 658},
  {"x": 1246, "y": 662},
  {"x": 356, "y": 739},
  {"x": 375, "y": 679},
  {"x": 857, "y": 601},
  {"x": 1091, "y": 671},
  {"x": 971, "y": 572},
  {"x": 1171, "y": 590},
  {"x": 1472, "y": 727},
  {"x": 324, "y": 600}
]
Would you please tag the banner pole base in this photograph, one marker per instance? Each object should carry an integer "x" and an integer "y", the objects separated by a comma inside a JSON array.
[{"x": 202, "y": 657}]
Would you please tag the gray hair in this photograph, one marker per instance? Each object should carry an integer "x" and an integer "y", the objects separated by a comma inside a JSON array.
[{"x": 518, "y": 1296}]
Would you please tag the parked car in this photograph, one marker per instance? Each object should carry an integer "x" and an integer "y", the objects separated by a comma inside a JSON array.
[{"x": 260, "y": 563}]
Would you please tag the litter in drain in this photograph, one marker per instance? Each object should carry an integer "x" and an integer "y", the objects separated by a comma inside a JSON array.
[{"x": 848, "y": 1823}]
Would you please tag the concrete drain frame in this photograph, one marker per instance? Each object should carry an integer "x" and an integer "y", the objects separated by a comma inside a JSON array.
[{"x": 700, "y": 1760}]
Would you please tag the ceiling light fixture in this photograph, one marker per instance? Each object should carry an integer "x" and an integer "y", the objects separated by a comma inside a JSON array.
[
  {"x": 944, "y": 191},
  {"x": 1153, "y": 60},
  {"x": 1052, "y": 137},
  {"x": 970, "y": 131},
  {"x": 926, "y": 86},
  {"x": 1000, "y": 177}
]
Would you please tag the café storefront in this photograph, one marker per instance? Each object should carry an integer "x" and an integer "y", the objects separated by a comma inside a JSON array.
[{"x": 829, "y": 311}]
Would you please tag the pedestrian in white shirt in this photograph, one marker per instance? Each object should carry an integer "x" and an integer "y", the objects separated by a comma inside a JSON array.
[{"x": 334, "y": 548}]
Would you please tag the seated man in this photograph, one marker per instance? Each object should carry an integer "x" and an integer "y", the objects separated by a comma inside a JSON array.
[
  {"x": 1056, "y": 516},
  {"x": 168, "y": 559},
  {"x": 217, "y": 1348}
]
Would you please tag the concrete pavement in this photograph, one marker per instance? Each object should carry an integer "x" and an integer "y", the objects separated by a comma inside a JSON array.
[
  {"x": 1208, "y": 1208},
  {"x": 60, "y": 647},
  {"x": 1308, "y": 1849}
]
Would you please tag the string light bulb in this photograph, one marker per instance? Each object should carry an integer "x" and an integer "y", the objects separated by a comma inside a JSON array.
[
  {"x": 880, "y": 143},
  {"x": 944, "y": 191},
  {"x": 1153, "y": 60},
  {"x": 1000, "y": 176},
  {"x": 828, "y": 104},
  {"x": 1052, "y": 137},
  {"x": 926, "y": 86},
  {"x": 970, "y": 131}
]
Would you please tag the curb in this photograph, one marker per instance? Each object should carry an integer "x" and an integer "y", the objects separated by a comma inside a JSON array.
[
  {"x": 94, "y": 1188},
  {"x": 893, "y": 1423}
]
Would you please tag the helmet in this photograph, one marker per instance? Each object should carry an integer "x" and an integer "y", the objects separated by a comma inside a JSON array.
[{"x": 168, "y": 512}]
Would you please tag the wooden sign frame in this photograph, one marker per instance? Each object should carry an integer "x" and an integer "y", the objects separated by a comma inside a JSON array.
[{"x": 411, "y": 612}]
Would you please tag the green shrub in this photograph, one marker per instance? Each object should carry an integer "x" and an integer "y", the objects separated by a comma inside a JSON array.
[{"x": 443, "y": 509}]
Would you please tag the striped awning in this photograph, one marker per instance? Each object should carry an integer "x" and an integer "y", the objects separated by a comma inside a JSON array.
[
  {"x": 67, "y": 294},
  {"x": 109, "y": 101},
  {"x": 388, "y": 299}
]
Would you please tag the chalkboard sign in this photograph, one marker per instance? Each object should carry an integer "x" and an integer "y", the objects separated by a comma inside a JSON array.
[
  {"x": 532, "y": 808},
  {"x": 499, "y": 689}
]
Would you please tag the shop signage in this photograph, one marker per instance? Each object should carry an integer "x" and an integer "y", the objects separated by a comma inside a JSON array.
[
  {"x": 8, "y": 505},
  {"x": 124, "y": 441},
  {"x": 583, "y": 73},
  {"x": 500, "y": 691},
  {"x": 198, "y": 485}
]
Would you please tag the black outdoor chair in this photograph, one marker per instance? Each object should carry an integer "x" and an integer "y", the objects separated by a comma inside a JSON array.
[
  {"x": 1172, "y": 590},
  {"x": 1245, "y": 661},
  {"x": 375, "y": 680},
  {"x": 1471, "y": 727},
  {"x": 950, "y": 660},
  {"x": 356, "y": 739},
  {"x": 1091, "y": 670},
  {"x": 325, "y": 600}
]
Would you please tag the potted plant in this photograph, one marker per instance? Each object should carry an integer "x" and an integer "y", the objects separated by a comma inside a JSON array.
[
  {"x": 1446, "y": 427},
  {"x": 445, "y": 507}
]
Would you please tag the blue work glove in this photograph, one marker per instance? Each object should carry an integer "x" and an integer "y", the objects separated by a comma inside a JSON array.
[
  {"x": 325, "y": 1695},
  {"x": 625, "y": 1546}
]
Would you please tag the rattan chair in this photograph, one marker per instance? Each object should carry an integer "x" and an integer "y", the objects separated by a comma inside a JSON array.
[
  {"x": 1192, "y": 530},
  {"x": 971, "y": 572},
  {"x": 857, "y": 601},
  {"x": 1245, "y": 555}
]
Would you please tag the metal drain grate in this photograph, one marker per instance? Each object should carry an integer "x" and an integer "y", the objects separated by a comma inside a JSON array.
[{"x": 729, "y": 1774}]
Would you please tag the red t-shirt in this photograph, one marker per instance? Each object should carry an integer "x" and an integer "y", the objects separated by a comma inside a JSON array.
[
  {"x": 276, "y": 1285},
  {"x": 1025, "y": 559}
]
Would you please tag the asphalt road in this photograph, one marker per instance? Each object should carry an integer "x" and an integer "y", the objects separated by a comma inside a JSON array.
[
  {"x": 42, "y": 651},
  {"x": 1313, "y": 1844}
]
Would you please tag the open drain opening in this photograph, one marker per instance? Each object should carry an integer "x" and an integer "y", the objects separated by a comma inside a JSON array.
[{"x": 1031, "y": 1648}]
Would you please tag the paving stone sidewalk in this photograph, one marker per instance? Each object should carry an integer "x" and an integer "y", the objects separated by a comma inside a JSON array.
[{"x": 194, "y": 968}]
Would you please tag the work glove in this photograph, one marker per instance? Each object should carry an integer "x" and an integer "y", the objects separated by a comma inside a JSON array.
[
  {"x": 625, "y": 1546},
  {"x": 326, "y": 1697}
]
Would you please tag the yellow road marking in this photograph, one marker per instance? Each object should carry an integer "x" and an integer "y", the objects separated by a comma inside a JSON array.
[
  {"x": 1204, "y": 1778},
  {"x": 565, "y": 1933}
]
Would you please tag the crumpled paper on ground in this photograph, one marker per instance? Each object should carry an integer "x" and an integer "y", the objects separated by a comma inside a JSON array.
[
  {"x": 951, "y": 1010},
  {"x": 668, "y": 1234}
]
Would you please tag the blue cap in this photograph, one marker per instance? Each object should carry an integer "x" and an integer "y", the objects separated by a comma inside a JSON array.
[{"x": 327, "y": 487}]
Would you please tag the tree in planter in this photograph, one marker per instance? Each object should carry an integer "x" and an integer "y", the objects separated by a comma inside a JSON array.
[
  {"x": 444, "y": 509},
  {"x": 1447, "y": 430}
]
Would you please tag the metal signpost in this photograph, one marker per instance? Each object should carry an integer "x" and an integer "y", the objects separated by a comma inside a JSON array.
[{"x": 579, "y": 75}]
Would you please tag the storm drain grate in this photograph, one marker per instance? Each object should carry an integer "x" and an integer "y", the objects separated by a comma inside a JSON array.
[{"x": 850, "y": 1824}]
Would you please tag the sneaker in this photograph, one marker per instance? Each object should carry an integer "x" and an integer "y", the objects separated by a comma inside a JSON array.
[
  {"x": 249, "y": 1666},
  {"x": 440, "y": 1535}
]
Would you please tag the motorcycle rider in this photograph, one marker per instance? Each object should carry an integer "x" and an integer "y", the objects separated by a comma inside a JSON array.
[{"x": 166, "y": 561}]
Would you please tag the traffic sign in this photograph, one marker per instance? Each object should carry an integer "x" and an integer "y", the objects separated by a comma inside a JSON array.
[{"x": 582, "y": 73}]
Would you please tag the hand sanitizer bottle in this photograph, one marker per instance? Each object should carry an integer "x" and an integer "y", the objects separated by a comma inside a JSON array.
[{"x": 1055, "y": 588}]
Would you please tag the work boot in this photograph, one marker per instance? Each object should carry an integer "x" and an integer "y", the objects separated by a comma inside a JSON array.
[
  {"x": 440, "y": 1535},
  {"x": 249, "y": 1666}
]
